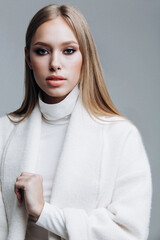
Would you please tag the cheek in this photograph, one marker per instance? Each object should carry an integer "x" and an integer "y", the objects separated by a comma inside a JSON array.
[
  {"x": 76, "y": 65},
  {"x": 38, "y": 71},
  {"x": 38, "y": 65}
]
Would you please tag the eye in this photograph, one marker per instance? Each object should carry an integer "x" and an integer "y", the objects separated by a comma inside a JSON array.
[
  {"x": 69, "y": 51},
  {"x": 41, "y": 51}
]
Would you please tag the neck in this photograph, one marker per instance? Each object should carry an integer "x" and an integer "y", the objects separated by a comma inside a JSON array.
[{"x": 51, "y": 100}]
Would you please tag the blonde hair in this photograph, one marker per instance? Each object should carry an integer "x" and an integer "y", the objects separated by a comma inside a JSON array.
[{"x": 93, "y": 90}]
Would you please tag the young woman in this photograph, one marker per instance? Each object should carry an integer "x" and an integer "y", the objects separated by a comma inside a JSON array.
[{"x": 72, "y": 167}]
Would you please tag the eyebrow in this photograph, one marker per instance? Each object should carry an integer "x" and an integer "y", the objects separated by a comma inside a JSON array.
[{"x": 63, "y": 44}]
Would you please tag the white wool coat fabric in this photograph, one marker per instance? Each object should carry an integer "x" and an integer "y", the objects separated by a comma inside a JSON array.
[{"x": 102, "y": 183}]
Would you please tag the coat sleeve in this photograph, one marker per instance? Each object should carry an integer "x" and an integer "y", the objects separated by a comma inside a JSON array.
[
  {"x": 128, "y": 214},
  {"x": 52, "y": 219},
  {"x": 3, "y": 221},
  {"x": 5, "y": 130}
]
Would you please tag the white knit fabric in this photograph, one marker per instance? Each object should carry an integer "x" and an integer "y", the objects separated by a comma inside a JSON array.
[
  {"x": 102, "y": 182},
  {"x": 54, "y": 127}
]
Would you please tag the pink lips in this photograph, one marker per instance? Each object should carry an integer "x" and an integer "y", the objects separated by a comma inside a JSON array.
[
  {"x": 55, "y": 77},
  {"x": 55, "y": 80}
]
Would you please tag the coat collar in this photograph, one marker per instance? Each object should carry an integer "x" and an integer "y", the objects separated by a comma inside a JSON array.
[
  {"x": 20, "y": 155},
  {"x": 80, "y": 155}
]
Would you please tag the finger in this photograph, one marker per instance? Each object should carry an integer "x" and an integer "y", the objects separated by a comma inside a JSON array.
[
  {"x": 20, "y": 185},
  {"x": 20, "y": 195},
  {"x": 26, "y": 174},
  {"x": 22, "y": 178},
  {"x": 19, "y": 191}
]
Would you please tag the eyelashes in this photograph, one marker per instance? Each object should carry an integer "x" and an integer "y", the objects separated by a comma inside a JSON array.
[
  {"x": 42, "y": 51},
  {"x": 69, "y": 51}
]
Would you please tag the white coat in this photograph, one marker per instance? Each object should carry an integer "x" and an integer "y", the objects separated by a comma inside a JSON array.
[{"x": 102, "y": 183}]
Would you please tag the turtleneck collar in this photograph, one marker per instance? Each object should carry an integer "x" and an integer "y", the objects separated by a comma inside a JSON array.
[{"x": 59, "y": 113}]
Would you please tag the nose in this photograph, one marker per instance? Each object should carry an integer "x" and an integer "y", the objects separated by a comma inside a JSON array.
[{"x": 55, "y": 62}]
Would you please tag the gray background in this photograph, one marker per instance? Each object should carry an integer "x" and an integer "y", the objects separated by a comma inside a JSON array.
[{"x": 127, "y": 35}]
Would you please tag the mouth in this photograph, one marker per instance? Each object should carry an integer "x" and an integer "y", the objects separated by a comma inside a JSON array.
[{"x": 55, "y": 78}]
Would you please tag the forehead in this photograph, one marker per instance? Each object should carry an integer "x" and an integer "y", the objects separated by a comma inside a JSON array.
[{"x": 54, "y": 30}]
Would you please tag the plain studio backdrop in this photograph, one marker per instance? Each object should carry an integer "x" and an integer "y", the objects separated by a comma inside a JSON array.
[{"x": 127, "y": 35}]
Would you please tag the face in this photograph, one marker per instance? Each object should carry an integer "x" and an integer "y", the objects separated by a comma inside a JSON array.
[{"x": 55, "y": 59}]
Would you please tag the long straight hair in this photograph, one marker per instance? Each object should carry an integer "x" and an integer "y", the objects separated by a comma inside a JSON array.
[{"x": 93, "y": 90}]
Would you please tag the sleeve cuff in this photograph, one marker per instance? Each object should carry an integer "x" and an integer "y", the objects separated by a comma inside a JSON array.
[{"x": 53, "y": 220}]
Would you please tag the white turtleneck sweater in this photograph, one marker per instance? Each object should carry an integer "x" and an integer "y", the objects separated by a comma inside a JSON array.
[{"x": 54, "y": 126}]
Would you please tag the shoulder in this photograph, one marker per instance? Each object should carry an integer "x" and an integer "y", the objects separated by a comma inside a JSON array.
[
  {"x": 125, "y": 135},
  {"x": 6, "y": 127},
  {"x": 125, "y": 138},
  {"x": 121, "y": 132},
  {"x": 5, "y": 123},
  {"x": 117, "y": 125}
]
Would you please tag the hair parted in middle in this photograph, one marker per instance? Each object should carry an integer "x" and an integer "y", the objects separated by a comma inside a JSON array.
[{"x": 92, "y": 85}]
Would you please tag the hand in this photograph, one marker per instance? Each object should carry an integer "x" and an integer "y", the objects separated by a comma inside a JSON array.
[{"x": 29, "y": 188}]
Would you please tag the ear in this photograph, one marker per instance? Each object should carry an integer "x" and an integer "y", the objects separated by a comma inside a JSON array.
[{"x": 27, "y": 58}]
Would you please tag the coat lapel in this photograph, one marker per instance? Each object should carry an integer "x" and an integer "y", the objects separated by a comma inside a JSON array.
[
  {"x": 77, "y": 177},
  {"x": 20, "y": 155}
]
